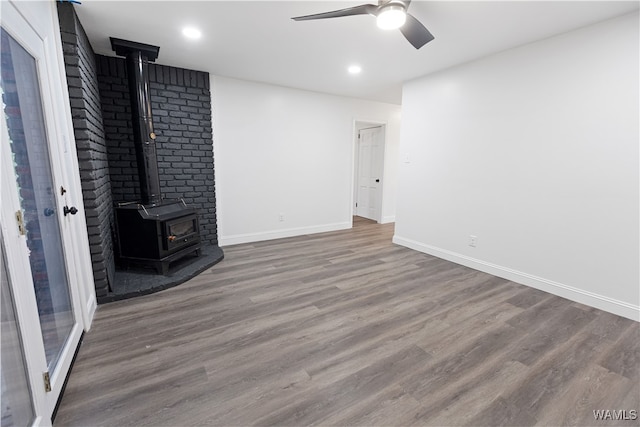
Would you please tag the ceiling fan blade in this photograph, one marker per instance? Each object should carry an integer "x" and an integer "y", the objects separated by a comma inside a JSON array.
[
  {"x": 415, "y": 32},
  {"x": 365, "y": 9}
]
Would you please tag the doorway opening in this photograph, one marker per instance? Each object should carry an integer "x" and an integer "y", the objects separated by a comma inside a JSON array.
[{"x": 368, "y": 185}]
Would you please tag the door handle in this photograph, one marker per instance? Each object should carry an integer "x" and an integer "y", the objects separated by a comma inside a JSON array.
[
  {"x": 70, "y": 210},
  {"x": 48, "y": 212}
]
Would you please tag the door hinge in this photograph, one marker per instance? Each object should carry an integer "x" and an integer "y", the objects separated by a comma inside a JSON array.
[
  {"x": 356, "y": 205},
  {"x": 21, "y": 228},
  {"x": 47, "y": 381}
]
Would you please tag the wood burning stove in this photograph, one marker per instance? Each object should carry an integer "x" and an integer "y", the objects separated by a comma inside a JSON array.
[
  {"x": 153, "y": 230},
  {"x": 157, "y": 235}
]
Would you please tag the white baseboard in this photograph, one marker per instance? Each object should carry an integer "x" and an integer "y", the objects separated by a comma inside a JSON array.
[
  {"x": 279, "y": 234},
  {"x": 601, "y": 302},
  {"x": 91, "y": 312},
  {"x": 387, "y": 219}
]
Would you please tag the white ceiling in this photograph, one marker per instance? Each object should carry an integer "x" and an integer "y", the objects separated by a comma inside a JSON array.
[{"x": 257, "y": 40}]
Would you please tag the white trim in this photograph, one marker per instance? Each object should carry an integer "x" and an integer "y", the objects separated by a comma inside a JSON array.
[
  {"x": 601, "y": 302},
  {"x": 41, "y": 421},
  {"x": 90, "y": 311},
  {"x": 387, "y": 219},
  {"x": 83, "y": 270},
  {"x": 279, "y": 234}
]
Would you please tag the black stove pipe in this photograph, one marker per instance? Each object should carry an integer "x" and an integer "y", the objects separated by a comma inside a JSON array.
[{"x": 137, "y": 57}]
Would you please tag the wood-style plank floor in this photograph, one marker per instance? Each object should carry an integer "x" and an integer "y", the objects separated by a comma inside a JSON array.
[{"x": 346, "y": 328}]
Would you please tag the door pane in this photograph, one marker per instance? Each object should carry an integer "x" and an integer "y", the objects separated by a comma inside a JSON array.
[
  {"x": 24, "y": 117},
  {"x": 17, "y": 409}
]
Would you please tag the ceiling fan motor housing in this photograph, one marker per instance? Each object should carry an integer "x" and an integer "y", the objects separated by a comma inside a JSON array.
[{"x": 404, "y": 4}]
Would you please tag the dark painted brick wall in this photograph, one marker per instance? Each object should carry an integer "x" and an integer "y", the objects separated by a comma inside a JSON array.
[
  {"x": 87, "y": 117},
  {"x": 181, "y": 103}
]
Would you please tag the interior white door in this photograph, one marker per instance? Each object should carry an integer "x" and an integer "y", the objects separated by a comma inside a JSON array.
[
  {"x": 370, "y": 167},
  {"x": 36, "y": 231}
]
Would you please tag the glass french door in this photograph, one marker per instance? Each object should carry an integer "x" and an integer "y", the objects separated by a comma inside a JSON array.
[
  {"x": 17, "y": 405},
  {"x": 22, "y": 105},
  {"x": 37, "y": 249}
]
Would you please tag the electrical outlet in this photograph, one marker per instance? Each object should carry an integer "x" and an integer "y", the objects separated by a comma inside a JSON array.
[
  {"x": 281, "y": 217},
  {"x": 473, "y": 241}
]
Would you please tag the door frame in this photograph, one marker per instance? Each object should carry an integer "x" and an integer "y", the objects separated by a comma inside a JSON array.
[
  {"x": 35, "y": 26},
  {"x": 357, "y": 125}
]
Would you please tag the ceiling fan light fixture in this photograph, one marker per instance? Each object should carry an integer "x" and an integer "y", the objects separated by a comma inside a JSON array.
[{"x": 391, "y": 17}]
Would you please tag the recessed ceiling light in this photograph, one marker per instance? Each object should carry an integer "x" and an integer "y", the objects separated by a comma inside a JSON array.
[
  {"x": 354, "y": 69},
  {"x": 191, "y": 32}
]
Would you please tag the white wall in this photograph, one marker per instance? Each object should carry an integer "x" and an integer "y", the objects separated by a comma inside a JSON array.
[
  {"x": 535, "y": 152},
  {"x": 286, "y": 151}
]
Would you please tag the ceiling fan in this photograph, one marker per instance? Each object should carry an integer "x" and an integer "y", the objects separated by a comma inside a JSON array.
[{"x": 390, "y": 14}]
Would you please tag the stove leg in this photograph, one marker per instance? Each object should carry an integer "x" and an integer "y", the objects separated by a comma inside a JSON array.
[{"x": 162, "y": 267}]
